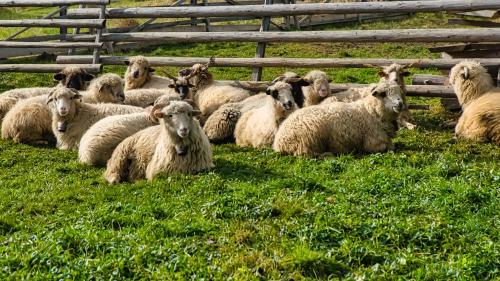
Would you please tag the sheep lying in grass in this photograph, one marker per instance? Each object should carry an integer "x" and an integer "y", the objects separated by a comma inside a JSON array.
[
  {"x": 394, "y": 73},
  {"x": 366, "y": 125},
  {"x": 30, "y": 121},
  {"x": 98, "y": 143},
  {"x": 318, "y": 89},
  {"x": 257, "y": 127},
  {"x": 139, "y": 75},
  {"x": 71, "y": 118},
  {"x": 208, "y": 94},
  {"x": 176, "y": 145},
  {"x": 179, "y": 86},
  {"x": 480, "y": 101},
  {"x": 220, "y": 126},
  {"x": 71, "y": 77}
]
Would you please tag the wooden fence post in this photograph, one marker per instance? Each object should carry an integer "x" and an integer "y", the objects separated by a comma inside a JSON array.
[
  {"x": 97, "y": 51},
  {"x": 261, "y": 46},
  {"x": 194, "y": 20},
  {"x": 63, "y": 12}
]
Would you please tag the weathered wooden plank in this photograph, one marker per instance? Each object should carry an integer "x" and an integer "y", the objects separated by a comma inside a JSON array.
[
  {"x": 95, "y": 23},
  {"x": 49, "y": 3},
  {"x": 428, "y": 79},
  {"x": 41, "y": 68},
  {"x": 465, "y": 47},
  {"x": 299, "y": 9},
  {"x": 61, "y": 45},
  {"x": 400, "y": 35},
  {"x": 445, "y": 64},
  {"x": 474, "y": 54},
  {"x": 482, "y": 14},
  {"x": 451, "y": 104}
]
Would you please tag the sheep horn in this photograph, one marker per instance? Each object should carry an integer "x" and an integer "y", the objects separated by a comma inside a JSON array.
[
  {"x": 372, "y": 65},
  {"x": 279, "y": 78},
  {"x": 169, "y": 76}
]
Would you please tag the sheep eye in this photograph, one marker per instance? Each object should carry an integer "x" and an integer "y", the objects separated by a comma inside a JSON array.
[
  {"x": 169, "y": 116},
  {"x": 383, "y": 94}
]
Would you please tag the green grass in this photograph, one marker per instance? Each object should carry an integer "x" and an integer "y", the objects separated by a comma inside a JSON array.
[{"x": 428, "y": 211}]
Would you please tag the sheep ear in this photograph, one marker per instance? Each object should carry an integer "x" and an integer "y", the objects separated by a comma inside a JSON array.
[
  {"x": 158, "y": 114},
  {"x": 171, "y": 86},
  {"x": 151, "y": 70},
  {"x": 406, "y": 73},
  {"x": 329, "y": 80},
  {"x": 78, "y": 96},
  {"x": 127, "y": 62},
  {"x": 87, "y": 76},
  {"x": 196, "y": 113},
  {"x": 382, "y": 74},
  {"x": 190, "y": 85},
  {"x": 156, "y": 111},
  {"x": 59, "y": 76},
  {"x": 269, "y": 92}
]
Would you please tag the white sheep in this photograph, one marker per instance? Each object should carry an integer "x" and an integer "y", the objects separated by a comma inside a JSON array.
[
  {"x": 70, "y": 76},
  {"x": 71, "y": 118},
  {"x": 139, "y": 75},
  {"x": 220, "y": 126},
  {"x": 366, "y": 125},
  {"x": 318, "y": 88},
  {"x": 258, "y": 126},
  {"x": 30, "y": 120},
  {"x": 208, "y": 94},
  {"x": 177, "y": 145},
  {"x": 480, "y": 101}
]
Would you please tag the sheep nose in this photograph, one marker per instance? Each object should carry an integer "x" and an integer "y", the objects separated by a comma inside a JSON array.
[
  {"x": 183, "y": 132},
  {"x": 136, "y": 73},
  {"x": 288, "y": 105}
]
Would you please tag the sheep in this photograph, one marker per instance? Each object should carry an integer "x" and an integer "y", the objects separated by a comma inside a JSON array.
[
  {"x": 480, "y": 101},
  {"x": 98, "y": 143},
  {"x": 139, "y": 75},
  {"x": 208, "y": 94},
  {"x": 318, "y": 89},
  {"x": 257, "y": 127},
  {"x": 366, "y": 125},
  {"x": 176, "y": 145},
  {"x": 220, "y": 126},
  {"x": 71, "y": 77},
  {"x": 179, "y": 86},
  {"x": 71, "y": 118},
  {"x": 30, "y": 121}
]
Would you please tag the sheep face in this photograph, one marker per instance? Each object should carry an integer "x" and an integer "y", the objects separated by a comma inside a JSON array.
[
  {"x": 394, "y": 73},
  {"x": 390, "y": 95},
  {"x": 182, "y": 86},
  {"x": 297, "y": 83},
  {"x": 470, "y": 80},
  {"x": 281, "y": 92},
  {"x": 63, "y": 100},
  {"x": 176, "y": 117},
  {"x": 138, "y": 69},
  {"x": 73, "y": 77},
  {"x": 111, "y": 92},
  {"x": 322, "y": 87}
]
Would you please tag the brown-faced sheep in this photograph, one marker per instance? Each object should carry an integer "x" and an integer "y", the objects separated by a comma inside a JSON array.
[
  {"x": 480, "y": 101},
  {"x": 177, "y": 145},
  {"x": 139, "y": 75},
  {"x": 257, "y": 127},
  {"x": 366, "y": 125},
  {"x": 71, "y": 118},
  {"x": 71, "y": 77},
  {"x": 318, "y": 89}
]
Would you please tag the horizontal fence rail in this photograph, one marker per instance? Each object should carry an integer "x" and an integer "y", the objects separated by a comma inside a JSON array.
[
  {"x": 281, "y": 62},
  {"x": 53, "y": 23},
  {"x": 293, "y": 9},
  {"x": 399, "y": 35},
  {"x": 49, "y": 68},
  {"x": 61, "y": 45},
  {"x": 50, "y": 3}
]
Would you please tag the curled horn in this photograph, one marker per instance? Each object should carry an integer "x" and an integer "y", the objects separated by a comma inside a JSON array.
[
  {"x": 169, "y": 76},
  {"x": 210, "y": 62},
  {"x": 279, "y": 78}
]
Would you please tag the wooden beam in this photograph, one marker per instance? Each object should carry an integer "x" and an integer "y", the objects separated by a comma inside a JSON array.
[
  {"x": 445, "y": 64},
  {"x": 427, "y": 79},
  {"x": 49, "y": 3},
  {"x": 62, "y": 23},
  {"x": 465, "y": 47},
  {"x": 395, "y": 35},
  {"x": 299, "y": 9},
  {"x": 47, "y": 68},
  {"x": 61, "y": 45}
]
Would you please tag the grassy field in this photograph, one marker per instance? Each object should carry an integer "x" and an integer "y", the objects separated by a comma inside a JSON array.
[{"x": 428, "y": 211}]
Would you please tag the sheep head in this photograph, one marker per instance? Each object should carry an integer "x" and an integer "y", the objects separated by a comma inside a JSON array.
[
  {"x": 177, "y": 118},
  {"x": 319, "y": 82},
  {"x": 181, "y": 85},
  {"x": 73, "y": 77},
  {"x": 138, "y": 72},
  {"x": 199, "y": 73},
  {"x": 297, "y": 82},
  {"x": 389, "y": 93},
  {"x": 108, "y": 88},
  {"x": 470, "y": 80},
  {"x": 395, "y": 73},
  {"x": 64, "y": 104},
  {"x": 281, "y": 92}
]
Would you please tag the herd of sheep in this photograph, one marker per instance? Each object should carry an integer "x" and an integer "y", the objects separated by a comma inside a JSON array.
[{"x": 146, "y": 124}]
